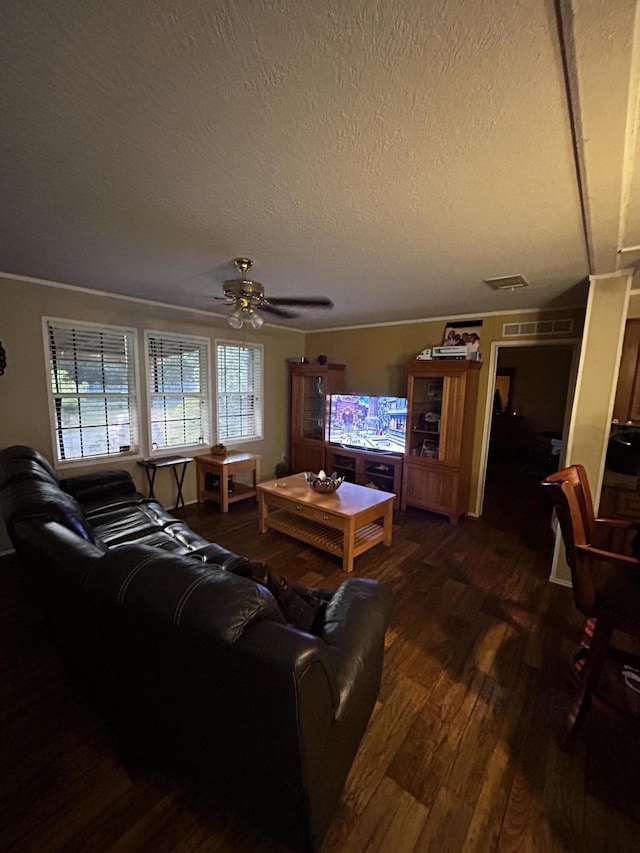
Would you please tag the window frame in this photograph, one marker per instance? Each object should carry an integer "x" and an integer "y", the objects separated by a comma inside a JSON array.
[
  {"x": 203, "y": 342},
  {"x": 259, "y": 395},
  {"x": 134, "y": 398}
]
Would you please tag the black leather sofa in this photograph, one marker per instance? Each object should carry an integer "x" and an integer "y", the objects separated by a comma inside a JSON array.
[{"x": 192, "y": 664}]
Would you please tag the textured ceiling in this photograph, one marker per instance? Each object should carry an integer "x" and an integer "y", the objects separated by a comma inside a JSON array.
[{"x": 388, "y": 154}]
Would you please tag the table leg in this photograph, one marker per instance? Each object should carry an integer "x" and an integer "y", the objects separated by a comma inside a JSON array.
[
  {"x": 200, "y": 472},
  {"x": 151, "y": 478},
  {"x": 348, "y": 545},
  {"x": 262, "y": 512},
  {"x": 256, "y": 477},
  {"x": 224, "y": 491},
  {"x": 179, "y": 482},
  {"x": 387, "y": 524}
]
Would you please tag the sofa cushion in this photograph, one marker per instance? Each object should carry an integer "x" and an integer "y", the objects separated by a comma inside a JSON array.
[
  {"x": 179, "y": 591},
  {"x": 126, "y": 522},
  {"x": 146, "y": 522},
  {"x": 299, "y": 611},
  {"x": 99, "y": 489}
]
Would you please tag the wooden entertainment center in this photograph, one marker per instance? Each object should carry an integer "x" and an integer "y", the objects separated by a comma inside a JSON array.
[{"x": 434, "y": 472}]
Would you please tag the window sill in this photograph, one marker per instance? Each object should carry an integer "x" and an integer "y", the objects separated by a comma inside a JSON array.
[{"x": 113, "y": 460}]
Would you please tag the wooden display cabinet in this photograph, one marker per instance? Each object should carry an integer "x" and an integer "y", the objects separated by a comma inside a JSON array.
[
  {"x": 441, "y": 407},
  {"x": 626, "y": 408},
  {"x": 364, "y": 467},
  {"x": 310, "y": 386}
]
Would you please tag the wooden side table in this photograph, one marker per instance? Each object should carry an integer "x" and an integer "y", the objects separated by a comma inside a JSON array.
[
  {"x": 151, "y": 469},
  {"x": 227, "y": 489}
]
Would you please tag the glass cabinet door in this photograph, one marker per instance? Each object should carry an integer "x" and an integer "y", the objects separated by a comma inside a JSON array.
[
  {"x": 425, "y": 417},
  {"x": 313, "y": 407}
]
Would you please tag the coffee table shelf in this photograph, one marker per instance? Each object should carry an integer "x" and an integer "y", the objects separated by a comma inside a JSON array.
[{"x": 325, "y": 538}]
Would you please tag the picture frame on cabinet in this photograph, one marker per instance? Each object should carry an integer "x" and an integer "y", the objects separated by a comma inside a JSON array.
[
  {"x": 463, "y": 334},
  {"x": 429, "y": 449},
  {"x": 434, "y": 391}
]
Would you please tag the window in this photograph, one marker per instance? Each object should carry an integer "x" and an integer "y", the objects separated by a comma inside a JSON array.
[
  {"x": 239, "y": 391},
  {"x": 92, "y": 389},
  {"x": 178, "y": 385}
]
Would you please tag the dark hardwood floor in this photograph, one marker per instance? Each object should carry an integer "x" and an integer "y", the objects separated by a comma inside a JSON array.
[{"x": 460, "y": 753}]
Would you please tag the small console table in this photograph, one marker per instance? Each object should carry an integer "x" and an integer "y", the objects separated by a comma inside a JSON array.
[
  {"x": 151, "y": 469},
  {"x": 226, "y": 489}
]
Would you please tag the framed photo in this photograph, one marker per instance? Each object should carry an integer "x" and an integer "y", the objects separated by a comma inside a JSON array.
[
  {"x": 434, "y": 391},
  {"x": 429, "y": 449},
  {"x": 467, "y": 333}
]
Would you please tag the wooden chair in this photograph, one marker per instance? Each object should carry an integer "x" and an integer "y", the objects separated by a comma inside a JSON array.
[{"x": 606, "y": 584}]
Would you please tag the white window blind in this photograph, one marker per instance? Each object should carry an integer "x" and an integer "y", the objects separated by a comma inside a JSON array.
[
  {"x": 178, "y": 385},
  {"x": 239, "y": 391},
  {"x": 92, "y": 389}
]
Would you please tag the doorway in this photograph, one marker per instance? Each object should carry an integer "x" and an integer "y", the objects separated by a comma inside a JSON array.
[{"x": 529, "y": 401}]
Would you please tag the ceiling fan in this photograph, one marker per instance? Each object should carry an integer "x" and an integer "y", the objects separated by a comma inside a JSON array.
[{"x": 248, "y": 298}]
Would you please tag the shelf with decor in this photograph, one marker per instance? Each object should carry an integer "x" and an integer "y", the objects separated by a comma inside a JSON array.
[
  {"x": 342, "y": 465},
  {"x": 381, "y": 471},
  {"x": 441, "y": 404}
]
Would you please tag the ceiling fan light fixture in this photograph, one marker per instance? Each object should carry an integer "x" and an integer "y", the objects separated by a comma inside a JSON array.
[
  {"x": 235, "y": 320},
  {"x": 248, "y": 297},
  {"x": 256, "y": 320}
]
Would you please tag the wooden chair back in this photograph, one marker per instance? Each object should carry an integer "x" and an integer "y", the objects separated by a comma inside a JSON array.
[
  {"x": 595, "y": 568},
  {"x": 571, "y": 496}
]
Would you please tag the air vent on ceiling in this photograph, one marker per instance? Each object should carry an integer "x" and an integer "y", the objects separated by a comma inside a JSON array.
[
  {"x": 539, "y": 327},
  {"x": 507, "y": 282}
]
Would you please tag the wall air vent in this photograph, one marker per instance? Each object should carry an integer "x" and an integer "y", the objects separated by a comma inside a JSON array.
[
  {"x": 541, "y": 327},
  {"x": 507, "y": 282}
]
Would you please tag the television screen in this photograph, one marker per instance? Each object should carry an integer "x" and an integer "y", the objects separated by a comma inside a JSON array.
[
  {"x": 370, "y": 423},
  {"x": 623, "y": 452}
]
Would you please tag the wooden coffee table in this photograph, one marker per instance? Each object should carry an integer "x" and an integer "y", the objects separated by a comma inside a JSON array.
[{"x": 347, "y": 522}]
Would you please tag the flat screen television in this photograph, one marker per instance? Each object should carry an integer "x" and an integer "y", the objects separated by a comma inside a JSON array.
[{"x": 368, "y": 423}]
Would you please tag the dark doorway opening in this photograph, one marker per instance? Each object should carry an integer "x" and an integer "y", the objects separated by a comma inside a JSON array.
[{"x": 533, "y": 384}]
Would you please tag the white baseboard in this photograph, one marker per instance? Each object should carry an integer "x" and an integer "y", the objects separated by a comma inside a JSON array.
[{"x": 560, "y": 581}]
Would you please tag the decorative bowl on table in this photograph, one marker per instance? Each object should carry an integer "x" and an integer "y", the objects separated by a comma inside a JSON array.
[{"x": 322, "y": 483}]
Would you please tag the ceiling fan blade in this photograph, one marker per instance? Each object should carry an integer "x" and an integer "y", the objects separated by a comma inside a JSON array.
[
  {"x": 278, "y": 312},
  {"x": 309, "y": 301}
]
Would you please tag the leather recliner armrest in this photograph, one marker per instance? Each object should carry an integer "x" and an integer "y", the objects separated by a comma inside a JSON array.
[
  {"x": 294, "y": 690},
  {"x": 355, "y": 623},
  {"x": 42, "y": 539},
  {"x": 285, "y": 649}
]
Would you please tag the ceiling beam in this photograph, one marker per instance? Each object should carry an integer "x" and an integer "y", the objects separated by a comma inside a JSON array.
[{"x": 600, "y": 41}]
